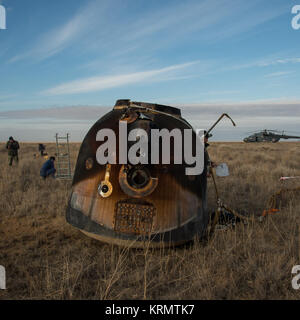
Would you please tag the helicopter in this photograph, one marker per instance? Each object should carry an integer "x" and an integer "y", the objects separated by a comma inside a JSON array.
[{"x": 269, "y": 136}]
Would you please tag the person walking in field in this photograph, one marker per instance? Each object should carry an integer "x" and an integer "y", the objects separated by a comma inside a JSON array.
[
  {"x": 42, "y": 148},
  {"x": 48, "y": 168},
  {"x": 12, "y": 146}
]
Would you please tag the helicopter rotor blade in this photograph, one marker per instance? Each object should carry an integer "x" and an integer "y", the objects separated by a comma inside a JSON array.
[{"x": 292, "y": 132}]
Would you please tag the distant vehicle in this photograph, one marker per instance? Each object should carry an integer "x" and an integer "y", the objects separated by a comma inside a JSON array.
[{"x": 269, "y": 136}]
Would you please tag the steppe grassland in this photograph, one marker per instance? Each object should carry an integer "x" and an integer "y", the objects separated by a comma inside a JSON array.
[{"x": 45, "y": 258}]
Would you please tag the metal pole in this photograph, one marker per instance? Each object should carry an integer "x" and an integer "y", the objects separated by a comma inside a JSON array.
[
  {"x": 57, "y": 151},
  {"x": 69, "y": 160}
]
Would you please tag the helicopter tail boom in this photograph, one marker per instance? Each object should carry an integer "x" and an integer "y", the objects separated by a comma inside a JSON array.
[{"x": 289, "y": 137}]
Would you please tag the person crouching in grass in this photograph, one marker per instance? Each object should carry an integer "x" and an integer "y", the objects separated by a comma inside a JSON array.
[{"x": 48, "y": 169}]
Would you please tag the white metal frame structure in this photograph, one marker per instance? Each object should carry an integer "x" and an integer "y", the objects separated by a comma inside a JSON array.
[{"x": 63, "y": 157}]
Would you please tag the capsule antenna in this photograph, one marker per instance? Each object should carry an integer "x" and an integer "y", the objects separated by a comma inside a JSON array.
[{"x": 220, "y": 118}]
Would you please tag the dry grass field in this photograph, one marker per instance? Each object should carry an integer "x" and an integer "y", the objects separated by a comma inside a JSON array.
[{"x": 45, "y": 258}]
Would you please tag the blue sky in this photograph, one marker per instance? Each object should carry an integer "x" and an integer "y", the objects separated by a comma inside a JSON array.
[{"x": 58, "y": 55}]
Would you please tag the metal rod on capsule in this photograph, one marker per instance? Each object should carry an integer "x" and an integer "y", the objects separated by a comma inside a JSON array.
[{"x": 220, "y": 118}]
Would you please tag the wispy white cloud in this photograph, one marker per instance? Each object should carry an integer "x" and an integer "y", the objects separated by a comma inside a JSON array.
[
  {"x": 246, "y": 17},
  {"x": 209, "y": 20},
  {"x": 219, "y": 92},
  {"x": 279, "y": 74},
  {"x": 42, "y": 124},
  {"x": 107, "y": 82},
  {"x": 244, "y": 103},
  {"x": 63, "y": 36},
  {"x": 102, "y": 25},
  {"x": 252, "y": 108},
  {"x": 5, "y": 97},
  {"x": 71, "y": 113},
  {"x": 278, "y": 61},
  {"x": 261, "y": 63}
]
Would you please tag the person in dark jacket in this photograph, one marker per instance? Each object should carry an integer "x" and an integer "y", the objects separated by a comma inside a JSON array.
[
  {"x": 12, "y": 146},
  {"x": 42, "y": 148},
  {"x": 48, "y": 168}
]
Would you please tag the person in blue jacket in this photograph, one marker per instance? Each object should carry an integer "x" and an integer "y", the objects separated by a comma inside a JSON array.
[{"x": 48, "y": 168}]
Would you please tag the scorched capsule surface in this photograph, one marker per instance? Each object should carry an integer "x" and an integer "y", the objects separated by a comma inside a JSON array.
[{"x": 129, "y": 204}]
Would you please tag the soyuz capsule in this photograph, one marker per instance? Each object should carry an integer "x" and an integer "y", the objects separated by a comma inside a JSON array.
[{"x": 127, "y": 204}]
